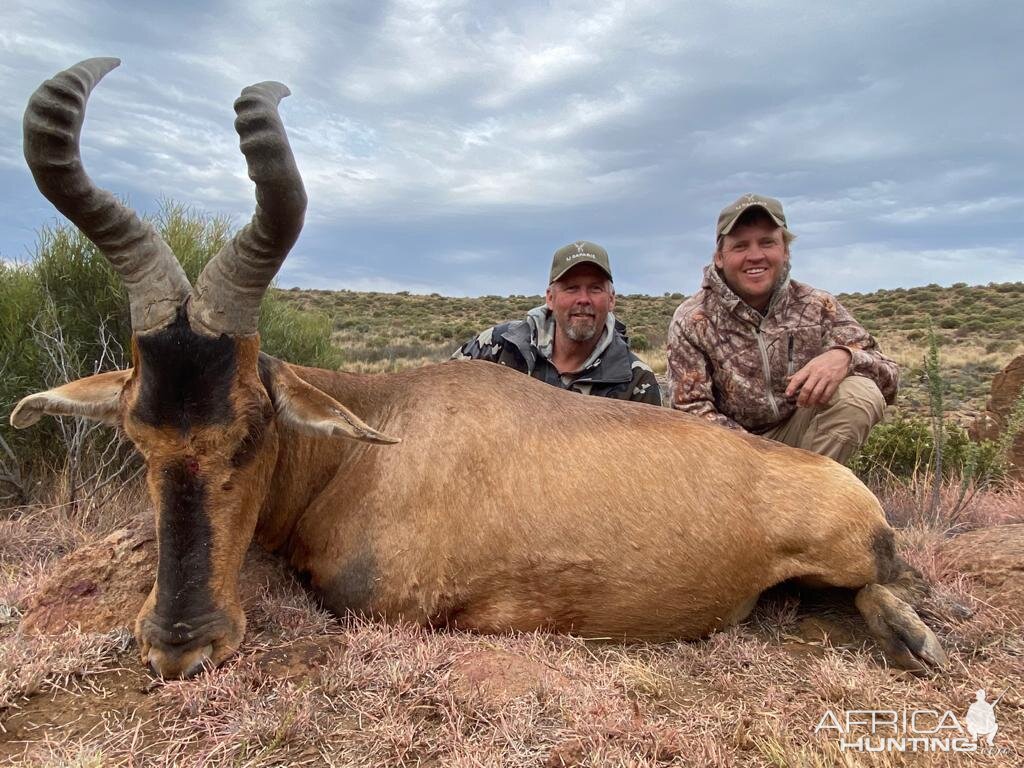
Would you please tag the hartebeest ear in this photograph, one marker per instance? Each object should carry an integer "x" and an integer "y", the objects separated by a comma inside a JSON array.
[
  {"x": 94, "y": 397},
  {"x": 302, "y": 406}
]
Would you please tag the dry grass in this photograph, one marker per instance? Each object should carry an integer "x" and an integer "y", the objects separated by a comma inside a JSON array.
[
  {"x": 968, "y": 365},
  {"x": 308, "y": 689},
  {"x": 956, "y": 353},
  {"x": 656, "y": 358}
]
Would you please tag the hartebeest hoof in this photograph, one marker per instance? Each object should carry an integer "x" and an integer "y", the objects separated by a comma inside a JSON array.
[{"x": 905, "y": 640}]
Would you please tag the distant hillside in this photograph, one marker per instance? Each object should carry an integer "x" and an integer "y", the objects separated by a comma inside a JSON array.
[{"x": 981, "y": 328}]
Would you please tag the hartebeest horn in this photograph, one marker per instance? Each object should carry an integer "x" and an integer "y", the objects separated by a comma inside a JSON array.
[
  {"x": 229, "y": 291},
  {"x": 156, "y": 283}
]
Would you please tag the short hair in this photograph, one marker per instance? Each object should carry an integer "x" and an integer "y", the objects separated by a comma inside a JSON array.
[{"x": 758, "y": 215}]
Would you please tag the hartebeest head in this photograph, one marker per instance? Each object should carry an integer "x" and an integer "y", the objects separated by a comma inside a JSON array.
[{"x": 195, "y": 403}]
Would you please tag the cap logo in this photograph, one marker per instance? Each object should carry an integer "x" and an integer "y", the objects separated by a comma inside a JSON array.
[
  {"x": 745, "y": 202},
  {"x": 580, "y": 252}
]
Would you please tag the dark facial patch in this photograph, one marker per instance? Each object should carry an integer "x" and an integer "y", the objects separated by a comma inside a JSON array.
[
  {"x": 186, "y": 378},
  {"x": 185, "y": 541},
  {"x": 352, "y": 588},
  {"x": 883, "y": 546}
]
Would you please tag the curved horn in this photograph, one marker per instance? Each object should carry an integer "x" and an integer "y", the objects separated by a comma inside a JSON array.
[
  {"x": 229, "y": 291},
  {"x": 156, "y": 283}
]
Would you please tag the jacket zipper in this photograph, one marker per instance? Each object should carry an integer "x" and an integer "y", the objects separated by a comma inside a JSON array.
[{"x": 766, "y": 366}]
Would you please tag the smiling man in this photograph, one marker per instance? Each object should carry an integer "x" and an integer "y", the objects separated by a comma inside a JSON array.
[
  {"x": 573, "y": 340},
  {"x": 758, "y": 351}
]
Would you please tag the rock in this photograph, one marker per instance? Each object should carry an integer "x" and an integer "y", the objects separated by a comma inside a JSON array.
[
  {"x": 993, "y": 558},
  {"x": 1006, "y": 388},
  {"x": 102, "y": 586},
  {"x": 97, "y": 587}
]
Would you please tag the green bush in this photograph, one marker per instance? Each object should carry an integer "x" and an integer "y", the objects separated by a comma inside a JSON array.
[
  {"x": 639, "y": 342},
  {"x": 21, "y": 359},
  {"x": 904, "y": 449},
  {"x": 999, "y": 346},
  {"x": 303, "y": 338},
  {"x": 925, "y": 454},
  {"x": 972, "y": 326},
  {"x": 194, "y": 237},
  {"x": 81, "y": 294}
]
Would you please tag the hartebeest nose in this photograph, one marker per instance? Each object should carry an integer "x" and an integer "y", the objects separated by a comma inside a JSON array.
[
  {"x": 171, "y": 664},
  {"x": 181, "y": 649}
]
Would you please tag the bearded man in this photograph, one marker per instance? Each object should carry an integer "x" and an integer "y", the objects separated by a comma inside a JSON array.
[
  {"x": 757, "y": 351},
  {"x": 573, "y": 340}
]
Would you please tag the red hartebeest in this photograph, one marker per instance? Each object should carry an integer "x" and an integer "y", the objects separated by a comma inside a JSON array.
[{"x": 499, "y": 504}]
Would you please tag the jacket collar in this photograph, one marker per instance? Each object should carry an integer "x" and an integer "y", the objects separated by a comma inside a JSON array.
[{"x": 715, "y": 283}]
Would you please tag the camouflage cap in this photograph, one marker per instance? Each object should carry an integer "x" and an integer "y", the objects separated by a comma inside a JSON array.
[
  {"x": 574, "y": 254},
  {"x": 731, "y": 213}
]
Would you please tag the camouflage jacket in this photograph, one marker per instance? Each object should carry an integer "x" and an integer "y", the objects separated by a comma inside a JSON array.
[
  {"x": 729, "y": 364},
  {"x": 612, "y": 370}
]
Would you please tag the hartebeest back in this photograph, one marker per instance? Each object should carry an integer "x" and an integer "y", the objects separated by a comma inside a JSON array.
[{"x": 508, "y": 504}]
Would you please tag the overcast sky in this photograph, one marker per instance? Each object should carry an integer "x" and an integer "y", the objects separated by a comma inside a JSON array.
[{"x": 453, "y": 146}]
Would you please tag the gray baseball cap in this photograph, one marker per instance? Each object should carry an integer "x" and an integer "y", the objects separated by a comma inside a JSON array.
[
  {"x": 574, "y": 254},
  {"x": 731, "y": 213}
]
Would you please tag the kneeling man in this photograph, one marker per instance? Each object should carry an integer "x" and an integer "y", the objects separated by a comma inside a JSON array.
[
  {"x": 573, "y": 340},
  {"x": 758, "y": 351}
]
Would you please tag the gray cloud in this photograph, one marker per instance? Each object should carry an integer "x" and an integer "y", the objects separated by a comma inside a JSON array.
[{"x": 452, "y": 146}]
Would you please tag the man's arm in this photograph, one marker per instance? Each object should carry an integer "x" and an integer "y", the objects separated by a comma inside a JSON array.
[
  {"x": 644, "y": 386},
  {"x": 480, "y": 347},
  {"x": 689, "y": 378},
  {"x": 865, "y": 357}
]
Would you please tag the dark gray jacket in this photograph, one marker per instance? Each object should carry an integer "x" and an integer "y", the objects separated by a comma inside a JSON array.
[{"x": 612, "y": 370}]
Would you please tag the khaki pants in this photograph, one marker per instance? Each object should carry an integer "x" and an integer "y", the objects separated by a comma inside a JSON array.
[{"x": 838, "y": 429}]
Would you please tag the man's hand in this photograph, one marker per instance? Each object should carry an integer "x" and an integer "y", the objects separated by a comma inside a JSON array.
[{"x": 819, "y": 379}]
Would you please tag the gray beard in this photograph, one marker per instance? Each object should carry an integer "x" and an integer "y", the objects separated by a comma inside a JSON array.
[{"x": 581, "y": 332}]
